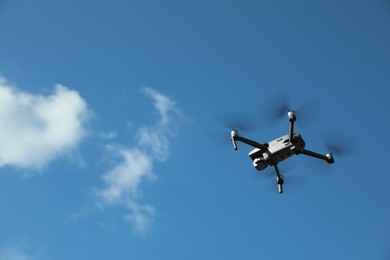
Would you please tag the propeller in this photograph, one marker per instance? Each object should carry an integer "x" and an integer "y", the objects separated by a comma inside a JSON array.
[
  {"x": 278, "y": 106},
  {"x": 274, "y": 108},
  {"x": 237, "y": 120},
  {"x": 340, "y": 144},
  {"x": 242, "y": 121}
]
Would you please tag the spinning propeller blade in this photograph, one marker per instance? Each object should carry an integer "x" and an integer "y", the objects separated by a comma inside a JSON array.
[
  {"x": 340, "y": 144},
  {"x": 277, "y": 107},
  {"x": 237, "y": 120}
]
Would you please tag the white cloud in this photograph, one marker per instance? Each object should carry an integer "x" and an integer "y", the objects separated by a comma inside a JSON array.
[
  {"x": 165, "y": 106},
  {"x": 156, "y": 140},
  {"x": 108, "y": 135},
  {"x": 35, "y": 129},
  {"x": 123, "y": 181},
  {"x": 11, "y": 253},
  {"x": 141, "y": 216}
]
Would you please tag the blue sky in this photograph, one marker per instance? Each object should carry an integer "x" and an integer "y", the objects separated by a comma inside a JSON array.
[{"x": 107, "y": 129}]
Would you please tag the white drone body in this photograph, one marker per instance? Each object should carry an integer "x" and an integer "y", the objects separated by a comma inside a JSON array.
[{"x": 276, "y": 151}]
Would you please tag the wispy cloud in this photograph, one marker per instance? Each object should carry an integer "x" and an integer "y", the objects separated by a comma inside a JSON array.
[
  {"x": 35, "y": 129},
  {"x": 108, "y": 135},
  {"x": 122, "y": 183},
  {"x": 164, "y": 105},
  {"x": 12, "y": 253},
  {"x": 124, "y": 179}
]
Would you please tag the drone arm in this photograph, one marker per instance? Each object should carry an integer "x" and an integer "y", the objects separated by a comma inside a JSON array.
[
  {"x": 292, "y": 119},
  {"x": 327, "y": 157},
  {"x": 249, "y": 142},
  {"x": 279, "y": 179}
]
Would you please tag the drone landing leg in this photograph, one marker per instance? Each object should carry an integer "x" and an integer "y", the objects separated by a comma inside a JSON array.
[
  {"x": 327, "y": 157},
  {"x": 279, "y": 179}
]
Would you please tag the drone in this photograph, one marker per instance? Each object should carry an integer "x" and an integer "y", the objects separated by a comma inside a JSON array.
[{"x": 278, "y": 150}]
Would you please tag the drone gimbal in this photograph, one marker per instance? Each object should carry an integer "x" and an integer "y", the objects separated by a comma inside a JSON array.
[{"x": 276, "y": 151}]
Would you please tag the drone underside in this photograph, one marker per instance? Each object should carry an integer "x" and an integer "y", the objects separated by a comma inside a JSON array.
[{"x": 276, "y": 151}]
